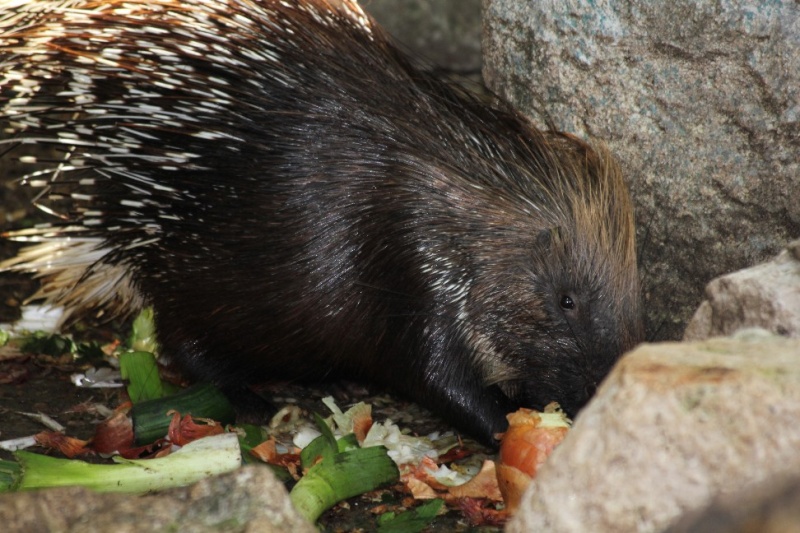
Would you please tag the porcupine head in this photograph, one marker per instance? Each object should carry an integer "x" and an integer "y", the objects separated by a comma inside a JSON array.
[{"x": 297, "y": 200}]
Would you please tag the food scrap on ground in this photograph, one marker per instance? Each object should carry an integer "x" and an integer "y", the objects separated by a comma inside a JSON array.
[
  {"x": 337, "y": 458},
  {"x": 531, "y": 438}
]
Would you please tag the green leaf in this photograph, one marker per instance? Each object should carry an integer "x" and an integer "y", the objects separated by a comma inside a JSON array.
[
  {"x": 143, "y": 332},
  {"x": 90, "y": 352},
  {"x": 326, "y": 431},
  {"x": 410, "y": 521},
  {"x": 346, "y": 443},
  {"x": 316, "y": 449},
  {"x": 41, "y": 342},
  {"x": 322, "y": 447},
  {"x": 250, "y": 436},
  {"x": 141, "y": 372}
]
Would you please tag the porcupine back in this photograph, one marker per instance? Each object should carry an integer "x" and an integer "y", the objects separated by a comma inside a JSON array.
[{"x": 295, "y": 199}]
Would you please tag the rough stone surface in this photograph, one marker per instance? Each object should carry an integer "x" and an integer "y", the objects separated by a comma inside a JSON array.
[
  {"x": 700, "y": 100},
  {"x": 250, "y": 500},
  {"x": 446, "y": 32},
  {"x": 673, "y": 427},
  {"x": 765, "y": 296},
  {"x": 772, "y": 507}
]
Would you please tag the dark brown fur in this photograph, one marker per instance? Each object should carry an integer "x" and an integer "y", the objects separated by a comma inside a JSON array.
[{"x": 350, "y": 215}]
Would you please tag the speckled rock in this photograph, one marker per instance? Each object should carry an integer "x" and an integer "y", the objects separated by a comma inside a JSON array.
[
  {"x": 250, "y": 500},
  {"x": 700, "y": 100},
  {"x": 446, "y": 32},
  {"x": 772, "y": 507},
  {"x": 765, "y": 296},
  {"x": 674, "y": 426}
]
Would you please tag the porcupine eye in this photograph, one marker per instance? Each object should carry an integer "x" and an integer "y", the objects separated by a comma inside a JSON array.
[{"x": 567, "y": 303}]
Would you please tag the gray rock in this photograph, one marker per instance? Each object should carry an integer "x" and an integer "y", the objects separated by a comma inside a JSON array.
[
  {"x": 700, "y": 100},
  {"x": 673, "y": 427},
  {"x": 765, "y": 296},
  {"x": 250, "y": 500},
  {"x": 772, "y": 507},
  {"x": 446, "y": 32}
]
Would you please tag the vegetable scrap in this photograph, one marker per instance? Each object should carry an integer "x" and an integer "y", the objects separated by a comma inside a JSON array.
[
  {"x": 163, "y": 437},
  {"x": 531, "y": 438}
]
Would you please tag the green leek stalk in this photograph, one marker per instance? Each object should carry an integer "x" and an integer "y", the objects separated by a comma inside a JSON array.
[
  {"x": 197, "y": 460},
  {"x": 341, "y": 476},
  {"x": 151, "y": 421}
]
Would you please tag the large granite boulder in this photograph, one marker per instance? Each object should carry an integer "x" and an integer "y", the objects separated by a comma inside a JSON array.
[
  {"x": 675, "y": 427},
  {"x": 700, "y": 101}
]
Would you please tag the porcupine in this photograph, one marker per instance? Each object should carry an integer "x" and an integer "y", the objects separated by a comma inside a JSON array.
[{"x": 297, "y": 200}]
